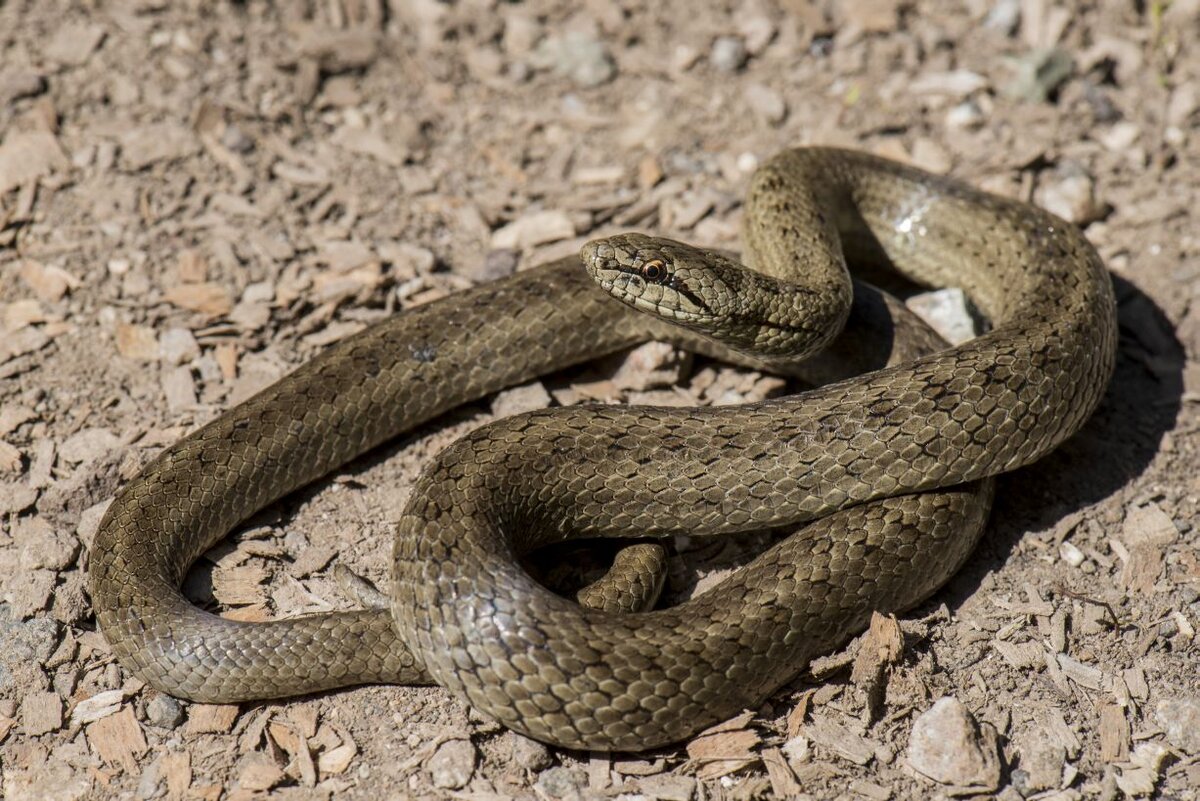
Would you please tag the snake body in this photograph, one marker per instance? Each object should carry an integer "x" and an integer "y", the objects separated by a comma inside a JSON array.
[{"x": 891, "y": 466}]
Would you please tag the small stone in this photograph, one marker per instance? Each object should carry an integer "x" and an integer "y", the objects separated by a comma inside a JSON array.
[
  {"x": 88, "y": 444},
  {"x": 578, "y": 56},
  {"x": 73, "y": 43},
  {"x": 164, "y": 712},
  {"x": 652, "y": 365},
  {"x": 929, "y": 155},
  {"x": 947, "y": 311},
  {"x": 1004, "y": 17},
  {"x": 965, "y": 116},
  {"x": 1120, "y": 137},
  {"x": 1071, "y": 195},
  {"x": 1039, "y": 74},
  {"x": 407, "y": 260},
  {"x": 178, "y": 346},
  {"x": 452, "y": 765},
  {"x": 530, "y": 754},
  {"x": 1071, "y": 554},
  {"x": 1182, "y": 106},
  {"x": 1041, "y": 763},
  {"x": 498, "y": 263},
  {"x": 766, "y": 103},
  {"x": 564, "y": 783},
  {"x": 28, "y": 155},
  {"x": 20, "y": 83},
  {"x": 525, "y": 398},
  {"x": 729, "y": 54},
  {"x": 955, "y": 83},
  {"x": 949, "y": 747},
  {"x": 757, "y": 31},
  {"x": 1180, "y": 721}
]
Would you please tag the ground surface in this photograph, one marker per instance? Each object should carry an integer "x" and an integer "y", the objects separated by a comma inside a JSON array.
[{"x": 192, "y": 202}]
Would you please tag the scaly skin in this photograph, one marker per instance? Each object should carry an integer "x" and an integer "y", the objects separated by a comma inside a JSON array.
[{"x": 861, "y": 458}]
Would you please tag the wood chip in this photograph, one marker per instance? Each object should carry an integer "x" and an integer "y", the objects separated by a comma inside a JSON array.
[
  {"x": 191, "y": 267},
  {"x": 41, "y": 712},
  {"x": 1114, "y": 734},
  {"x": 296, "y": 747},
  {"x": 118, "y": 739},
  {"x": 336, "y": 760},
  {"x": 840, "y": 740},
  {"x": 210, "y": 718},
  {"x": 241, "y": 585},
  {"x": 27, "y": 156},
  {"x": 10, "y": 458},
  {"x": 783, "y": 780},
  {"x": 179, "y": 388},
  {"x": 177, "y": 768},
  {"x": 881, "y": 647},
  {"x": 49, "y": 283},
  {"x": 1148, "y": 532},
  {"x": 259, "y": 773},
  {"x": 724, "y": 748},
  {"x": 98, "y": 706},
  {"x": 211, "y": 300},
  {"x": 137, "y": 342},
  {"x": 533, "y": 229}
]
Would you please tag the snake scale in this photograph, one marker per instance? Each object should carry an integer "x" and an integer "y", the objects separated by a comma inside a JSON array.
[{"x": 888, "y": 469}]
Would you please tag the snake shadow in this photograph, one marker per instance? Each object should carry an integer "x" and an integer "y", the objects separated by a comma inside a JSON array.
[{"x": 1114, "y": 448}]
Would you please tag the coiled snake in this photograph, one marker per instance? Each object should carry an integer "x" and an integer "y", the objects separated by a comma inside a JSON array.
[{"x": 859, "y": 457}]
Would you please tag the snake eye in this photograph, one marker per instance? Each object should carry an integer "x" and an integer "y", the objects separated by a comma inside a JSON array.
[{"x": 654, "y": 270}]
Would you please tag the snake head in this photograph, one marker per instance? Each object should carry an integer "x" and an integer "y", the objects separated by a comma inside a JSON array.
[{"x": 680, "y": 283}]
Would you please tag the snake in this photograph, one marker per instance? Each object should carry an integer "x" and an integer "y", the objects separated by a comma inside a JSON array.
[{"x": 877, "y": 485}]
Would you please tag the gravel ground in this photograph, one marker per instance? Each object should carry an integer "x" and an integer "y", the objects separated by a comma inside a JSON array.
[{"x": 195, "y": 198}]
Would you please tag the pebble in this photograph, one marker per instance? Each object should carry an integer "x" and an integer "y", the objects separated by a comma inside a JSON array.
[
  {"x": 757, "y": 31},
  {"x": 578, "y": 56},
  {"x": 949, "y": 747},
  {"x": 1004, "y": 17},
  {"x": 767, "y": 104},
  {"x": 729, "y": 54},
  {"x": 1039, "y": 73},
  {"x": 652, "y": 365},
  {"x": 1071, "y": 554},
  {"x": 1041, "y": 765},
  {"x": 408, "y": 260},
  {"x": 956, "y": 83},
  {"x": 1119, "y": 137},
  {"x": 564, "y": 783},
  {"x": 87, "y": 444},
  {"x": 530, "y": 754},
  {"x": 1180, "y": 721},
  {"x": 498, "y": 263},
  {"x": 164, "y": 711},
  {"x": 24, "y": 647},
  {"x": 947, "y": 311},
  {"x": 452, "y": 765},
  {"x": 967, "y": 115},
  {"x": 20, "y": 83},
  {"x": 525, "y": 398},
  {"x": 929, "y": 155},
  {"x": 1070, "y": 193},
  {"x": 178, "y": 346}
]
